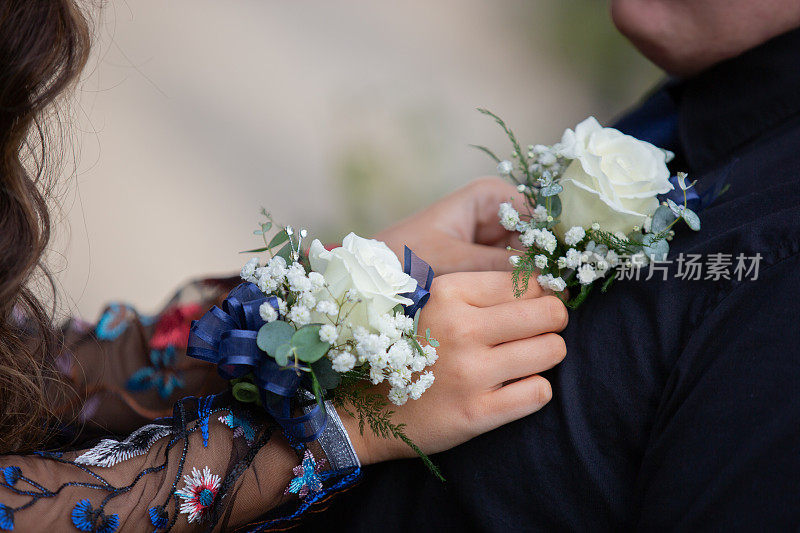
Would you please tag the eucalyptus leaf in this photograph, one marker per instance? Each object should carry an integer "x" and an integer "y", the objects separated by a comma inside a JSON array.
[
  {"x": 416, "y": 320},
  {"x": 655, "y": 249},
  {"x": 675, "y": 208},
  {"x": 254, "y": 251},
  {"x": 431, "y": 341},
  {"x": 283, "y": 353},
  {"x": 273, "y": 334},
  {"x": 691, "y": 218},
  {"x": 285, "y": 252},
  {"x": 279, "y": 238},
  {"x": 307, "y": 345},
  {"x": 635, "y": 237},
  {"x": 327, "y": 376},
  {"x": 551, "y": 190},
  {"x": 555, "y": 204},
  {"x": 662, "y": 218}
]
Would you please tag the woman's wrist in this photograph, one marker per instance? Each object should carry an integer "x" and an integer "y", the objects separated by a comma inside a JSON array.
[{"x": 358, "y": 439}]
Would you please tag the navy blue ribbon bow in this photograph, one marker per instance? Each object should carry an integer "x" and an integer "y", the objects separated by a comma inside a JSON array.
[
  {"x": 423, "y": 274},
  {"x": 227, "y": 338}
]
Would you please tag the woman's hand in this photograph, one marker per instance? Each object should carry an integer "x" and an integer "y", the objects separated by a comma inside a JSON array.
[
  {"x": 492, "y": 348},
  {"x": 459, "y": 232}
]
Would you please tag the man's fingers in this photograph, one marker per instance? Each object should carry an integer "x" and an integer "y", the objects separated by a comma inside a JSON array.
[
  {"x": 520, "y": 319},
  {"x": 518, "y": 359},
  {"x": 489, "y": 193},
  {"x": 516, "y": 400},
  {"x": 487, "y": 289}
]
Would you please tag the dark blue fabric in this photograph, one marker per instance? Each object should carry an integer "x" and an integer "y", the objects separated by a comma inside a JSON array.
[
  {"x": 678, "y": 405},
  {"x": 655, "y": 121}
]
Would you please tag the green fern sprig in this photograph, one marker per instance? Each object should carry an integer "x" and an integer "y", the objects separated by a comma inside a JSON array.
[
  {"x": 371, "y": 409},
  {"x": 514, "y": 142}
]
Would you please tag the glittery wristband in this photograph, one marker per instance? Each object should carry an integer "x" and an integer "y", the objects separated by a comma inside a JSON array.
[{"x": 335, "y": 441}]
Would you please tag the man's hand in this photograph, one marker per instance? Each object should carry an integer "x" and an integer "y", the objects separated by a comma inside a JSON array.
[{"x": 461, "y": 232}]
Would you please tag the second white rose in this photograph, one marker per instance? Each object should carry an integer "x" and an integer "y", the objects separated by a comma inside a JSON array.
[{"x": 613, "y": 179}]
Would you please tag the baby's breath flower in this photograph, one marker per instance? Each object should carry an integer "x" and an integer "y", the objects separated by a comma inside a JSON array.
[
  {"x": 504, "y": 168},
  {"x": 276, "y": 268},
  {"x": 299, "y": 314},
  {"x": 387, "y": 325},
  {"x": 328, "y": 333},
  {"x": 398, "y": 395},
  {"x": 249, "y": 269},
  {"x": 539, "y": 213},
  {"x": 307, "y": 299},
  {"x": 561, "y": 262},
  {"x": 514, "y": 260},
  {"x": 573, "y": 258},
  {"x": 557, "y": 284},
  {"x": 298, "y": 281},
  {"x": 574, "y": 235},
  {"x": 404, "y": 323},
  {"x": 418, "y": 363},
  {"x": 546, "y": 241},
  {"x": 317, "y": 280},
  {"x": 400, "y": 354},
  {"x": 529, "y": 237},
  {"x": 547, "y": 158},
  {"x": 540, "y": 261},
  {"x": 343, "y": 362},
  {"x": 509, "y": 217},
  {"x": 399, "y": 377},
  {"x": 327, "y": 307},
  {"x": 266, "y": 284},
  {"x": 376, "y": 375},
  {"x": 267, "y": 312},
  {"x": 586, "y": 274},
  {"x": 430, "y": 354}
]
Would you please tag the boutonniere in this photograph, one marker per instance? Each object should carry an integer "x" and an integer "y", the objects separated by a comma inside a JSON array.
[{"x": 596, "y": 203}]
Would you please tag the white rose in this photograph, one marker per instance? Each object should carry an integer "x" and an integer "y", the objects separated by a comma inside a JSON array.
[
  {"x": 613, "y": 179},
  {"x": 368, "y": 268}
]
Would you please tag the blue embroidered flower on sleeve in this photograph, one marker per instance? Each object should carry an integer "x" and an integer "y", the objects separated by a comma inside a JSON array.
[
  {"x": 158, "y": 517},
  {"x": 308, "y": 480},
  {"x": 11, "y": 475},
  {"x": 6, "y": 518},
  {"x": 161, "y": 375},
  {"x": 114, "y": 321},
  {"x": 85, "y": 518},
  {"x": 241, "y": 426}
]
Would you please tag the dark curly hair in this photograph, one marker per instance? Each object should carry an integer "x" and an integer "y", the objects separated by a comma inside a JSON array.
[{"x": 44, "y": 46}]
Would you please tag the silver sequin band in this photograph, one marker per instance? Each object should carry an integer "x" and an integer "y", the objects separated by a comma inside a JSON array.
[{"x": 335, "y": 441}]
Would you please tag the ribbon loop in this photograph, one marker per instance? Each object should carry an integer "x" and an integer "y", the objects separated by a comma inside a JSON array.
[
  {"x": 227, "y": 338},
  {"x": 423, "y": 274}
]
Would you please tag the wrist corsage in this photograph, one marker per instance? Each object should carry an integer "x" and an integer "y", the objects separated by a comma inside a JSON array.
[{"x": 314, "y": 327}]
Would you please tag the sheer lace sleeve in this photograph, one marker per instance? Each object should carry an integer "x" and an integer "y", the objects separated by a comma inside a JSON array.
[
  {"x": 130, "y": 368},
  {"x": 214, "y": 465}
]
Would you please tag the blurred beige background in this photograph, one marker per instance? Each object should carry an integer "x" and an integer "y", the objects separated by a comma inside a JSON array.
[{"x": 338, "y": 116}]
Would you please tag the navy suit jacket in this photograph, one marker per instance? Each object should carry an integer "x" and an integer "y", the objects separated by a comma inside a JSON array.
[{"x": 678, "y": 405}]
